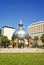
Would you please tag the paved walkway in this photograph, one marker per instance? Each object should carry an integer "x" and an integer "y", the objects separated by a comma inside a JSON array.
[{"x": 24, "y": 50}]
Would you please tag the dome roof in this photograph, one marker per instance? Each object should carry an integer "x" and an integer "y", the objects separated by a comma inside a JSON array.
[{"x": 21, "y": 33}]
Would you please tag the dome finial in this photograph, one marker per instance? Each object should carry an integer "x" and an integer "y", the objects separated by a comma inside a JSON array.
[
  {"x": 20, "y": 21},
  {"x": 20, "y": 24}
]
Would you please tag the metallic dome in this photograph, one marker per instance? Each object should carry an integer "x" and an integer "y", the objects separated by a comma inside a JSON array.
[{"x": 20, "y": 33}]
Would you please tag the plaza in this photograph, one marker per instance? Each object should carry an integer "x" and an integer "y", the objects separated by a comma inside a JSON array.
[{"x": 23, "y": 50}]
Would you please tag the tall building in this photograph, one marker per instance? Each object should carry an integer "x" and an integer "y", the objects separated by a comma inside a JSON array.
[
  {"x": 36, "y": 29},
  {"x": 7, "y": 31}
]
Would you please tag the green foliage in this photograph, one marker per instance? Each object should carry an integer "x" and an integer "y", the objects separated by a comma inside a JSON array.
[
  {"x": 42, "y": 38},
  {"x": 4, "y": 40},
  {"x": 36, "y": 38},
  {"x": 22, "y": 59},
  {"x": 0, "y": 31},
  {"x": 0, "y": 38}
]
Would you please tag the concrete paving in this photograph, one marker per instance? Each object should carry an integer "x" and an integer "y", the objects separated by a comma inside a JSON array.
[{"x": 23, "y": 50}]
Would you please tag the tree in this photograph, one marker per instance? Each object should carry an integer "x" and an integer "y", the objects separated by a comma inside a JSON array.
[
  {"x": 5, "y": 41},
  {"x": 0, "y": 39},
  {"x": 42, "y": 38},
  {"x": 0, "y": 31},
  {"x": 36, "y": 39}
]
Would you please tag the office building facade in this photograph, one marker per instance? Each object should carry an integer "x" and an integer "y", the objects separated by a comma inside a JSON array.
[{"x": 36, "y": 29}]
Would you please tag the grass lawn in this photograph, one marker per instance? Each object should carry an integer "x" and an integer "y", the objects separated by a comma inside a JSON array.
[{"x": 21, "y": 58}]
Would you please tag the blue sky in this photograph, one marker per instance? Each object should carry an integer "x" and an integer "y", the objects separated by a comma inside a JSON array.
[{"x": 29, "y": 11}]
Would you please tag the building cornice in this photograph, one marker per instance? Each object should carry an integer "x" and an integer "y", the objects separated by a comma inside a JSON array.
[
  {"x": 7, "y": 27},
  {"x": 36, "y": 23}
]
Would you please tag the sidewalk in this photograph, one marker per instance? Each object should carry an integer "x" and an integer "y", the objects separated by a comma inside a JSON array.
[{"x": 23, "y": 50}]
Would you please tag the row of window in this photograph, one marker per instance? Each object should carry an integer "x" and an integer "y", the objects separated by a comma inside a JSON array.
[{"x": 37, "y": 32}]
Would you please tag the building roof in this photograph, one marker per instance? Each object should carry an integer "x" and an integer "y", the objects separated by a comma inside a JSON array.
[
  {"x": 8, "y": 27},
  {"x": 36, "y": 23}
]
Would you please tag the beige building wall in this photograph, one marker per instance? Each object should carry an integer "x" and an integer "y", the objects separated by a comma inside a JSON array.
[
  {"x": 36, "y": 29},
  {"x": 7, "y": 31}
]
